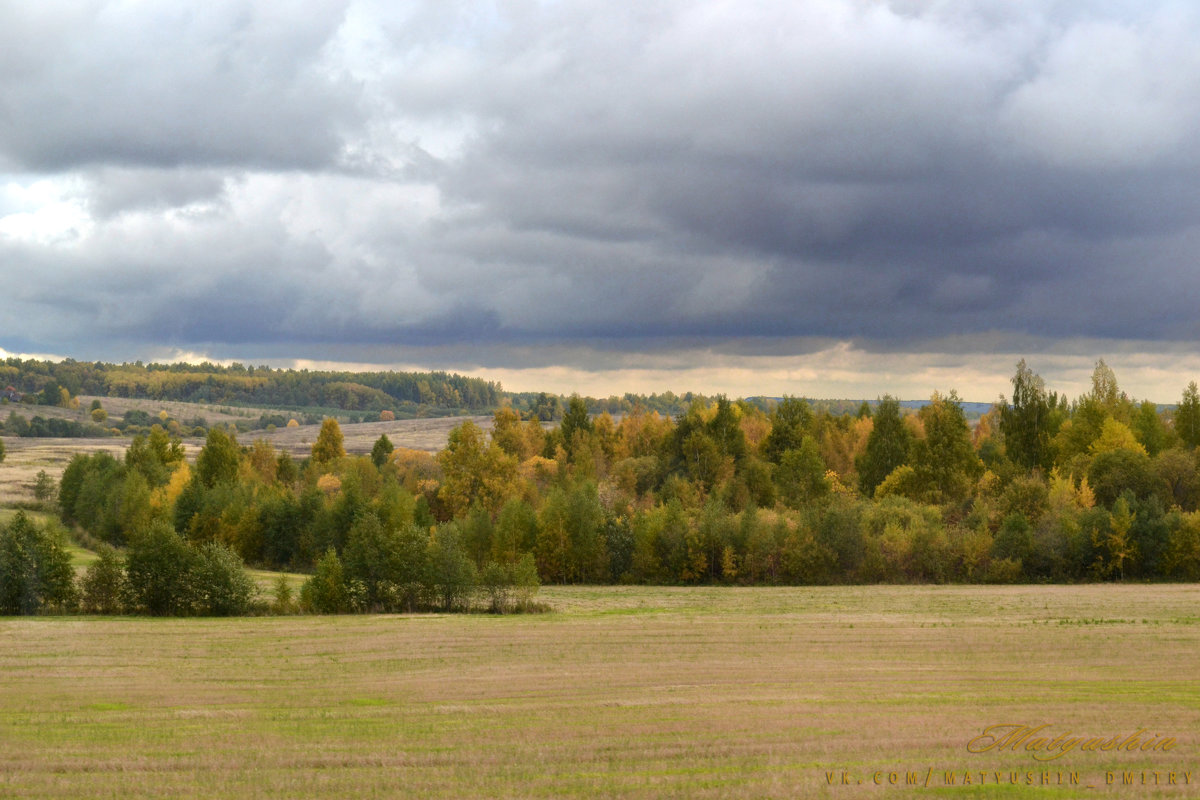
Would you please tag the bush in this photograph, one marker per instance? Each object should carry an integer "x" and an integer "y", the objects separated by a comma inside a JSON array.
[
  {"x": 509, "y": 587},
  {"x": 451, "y": 576},
  {"x": 43, "y": 487},
  {"x": 325, "y": 592},
  {"x": 222, "y": 587},
  {"x": 283, "y": 602},
  {"x": 104, "y": 585}
]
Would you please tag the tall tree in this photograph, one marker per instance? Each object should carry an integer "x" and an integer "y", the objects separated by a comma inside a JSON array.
[
  {"x": 35, "y": 568},
  {"x": 575, "y": 421},
  {"x": 888, "y": 445},
  {"x": 1105, "y": 390},
  {"x": 725, "y": 431},
  {"x": 1025, "y": 422},
  {"x": 329, "y": 446},
  {"x": 946, "y": 460},
  {"x": 1187, "y": 416},
  {"x": 475, "y": 471},
  {"x": 791, "y": 421},
  {"x": 381, "y": 450},
  {"x": 218, "y": 462}
]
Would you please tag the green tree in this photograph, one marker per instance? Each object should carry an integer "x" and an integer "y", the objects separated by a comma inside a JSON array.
[
  {"x": 515, "y": 533},
  {"x": 451, "y": 575},
  {"x": 1187, "y": 416},
  {"x": 35, "y": 568},
  {"x": 801, "y": 474},
  {"x": 1025, "y": 422},
  {"x": 372, "y": 557},
  {"x": 576, "y": 419},
  {"x": 218, "y": 461},
  {"x": 945, "y": 459},
  {"x": 155, "y": 456},
  {"x": 220, "y": 582},
  {"x": 791, "y": 421},
  {"x": 1149, "y": 429},
  {"x": 888, "y": 445},
  {"x": 1107, "y": 394},
  {"x": 702, "y": 458},
  {"x": 382, "y": 450},
  {"x": 1115, "y": 471},
  {"x": 330, "y": 444},
  {"x": 43, "y": 486},
  {"x": 325, "y": 592},
  {"x": 1177, "y": 471},
  {"x": 159, "y": 568},
  {"x": 104, "y": 585},
  {"x": 726, "y": 432}
]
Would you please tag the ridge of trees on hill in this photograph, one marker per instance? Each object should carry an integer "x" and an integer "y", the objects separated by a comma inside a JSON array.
[
  {"x": 369, "y": 395},
  {"x": 55, "y": 383}
]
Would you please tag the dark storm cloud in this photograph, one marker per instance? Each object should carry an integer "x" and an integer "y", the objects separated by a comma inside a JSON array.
[
  {"x": 608, "y": 178},
  {"x": 164, "y": 84}
]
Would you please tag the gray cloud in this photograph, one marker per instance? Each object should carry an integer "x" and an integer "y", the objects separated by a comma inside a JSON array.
[{"x": 555, "y": 179}]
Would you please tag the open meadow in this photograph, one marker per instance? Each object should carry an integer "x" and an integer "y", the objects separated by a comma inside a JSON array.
[
  {"x": 621, "y": 692},
  {"x": 28, "y": 456}
]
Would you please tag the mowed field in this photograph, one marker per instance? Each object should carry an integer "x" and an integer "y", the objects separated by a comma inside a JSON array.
[{"x": 621, "y": 692}]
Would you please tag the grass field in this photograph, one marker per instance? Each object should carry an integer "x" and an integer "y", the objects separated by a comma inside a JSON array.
[
  {"x": 26, "y": 457},
  {"x": 625, "y": 691}
]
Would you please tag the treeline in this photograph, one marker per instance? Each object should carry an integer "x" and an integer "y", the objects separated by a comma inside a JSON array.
[
  {"x": 162, "y": 573},
  {"x": 371, "y": 545},
  {"x": 366, "y": 393},
  {"x": 1041, "y": 489},
  {"x": 53, "y": 383}
]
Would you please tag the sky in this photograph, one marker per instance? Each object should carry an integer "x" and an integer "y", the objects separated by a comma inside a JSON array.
[{"x": 829, "y": 198}]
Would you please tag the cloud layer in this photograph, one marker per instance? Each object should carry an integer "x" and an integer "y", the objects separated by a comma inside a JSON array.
[{"x": 577, "y": 185}]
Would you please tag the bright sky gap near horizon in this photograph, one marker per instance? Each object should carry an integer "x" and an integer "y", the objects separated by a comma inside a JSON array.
[{"x": 835, "y": 198}]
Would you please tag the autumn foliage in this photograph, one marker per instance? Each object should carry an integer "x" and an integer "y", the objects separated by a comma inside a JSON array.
[{"x": 1039, "y": 489}]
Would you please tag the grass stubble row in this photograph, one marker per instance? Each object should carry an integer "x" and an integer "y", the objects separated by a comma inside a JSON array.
[{"x": 622, "y": 692}]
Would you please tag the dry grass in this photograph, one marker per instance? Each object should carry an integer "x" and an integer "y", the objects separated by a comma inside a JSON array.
[
  {"x": 429, "y": 435},
  {"x": 626, "y": 692},
  {"x": 25, "y": 457}
]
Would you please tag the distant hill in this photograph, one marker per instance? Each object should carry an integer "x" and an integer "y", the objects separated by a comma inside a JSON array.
[
  {"x": 845, "y": 406},
  {"x": 971, "y": 410}
]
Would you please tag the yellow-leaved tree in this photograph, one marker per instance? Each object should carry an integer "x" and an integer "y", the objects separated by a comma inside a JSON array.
[
  {"x": 475, "y": 471},
  {"x": 330, "y": 444}
]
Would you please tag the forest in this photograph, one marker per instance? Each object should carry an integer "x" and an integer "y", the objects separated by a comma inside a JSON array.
[
  {"x": 1041, "y": 489},
  {"x": 364, "y": 394},
  {"x": 49, "y": 383}
]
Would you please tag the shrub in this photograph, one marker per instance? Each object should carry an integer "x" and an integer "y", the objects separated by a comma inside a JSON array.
[
  {"x": 451, "y": 576},
  {"x": 222, "y": 587},
  {"x": 104, "y": 585},
  {"x": 283, "y": 602},
  {"x": 325, "y": 592},
  {"x": 43, "y": 487}
]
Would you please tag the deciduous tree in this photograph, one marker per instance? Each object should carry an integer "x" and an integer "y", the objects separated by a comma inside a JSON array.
[
  {"x": 1025, "y": 422},
  {"x": 888, "y": 445},
  {"x": 329, "y": 445}
]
